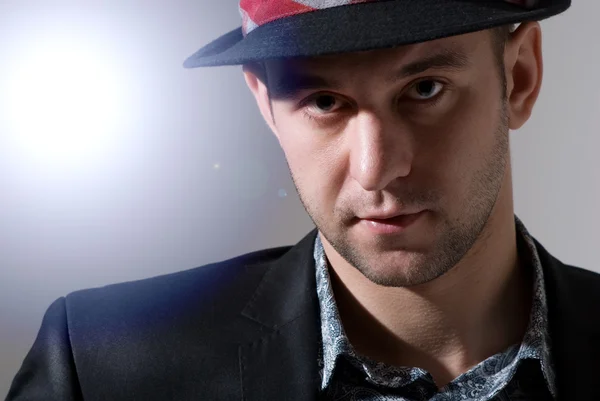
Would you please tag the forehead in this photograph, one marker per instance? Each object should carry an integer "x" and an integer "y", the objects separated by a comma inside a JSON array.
[{"x": 472, "y": 46}]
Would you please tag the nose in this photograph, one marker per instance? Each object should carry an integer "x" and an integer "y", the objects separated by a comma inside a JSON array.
[{"x": 381, "y": 151}]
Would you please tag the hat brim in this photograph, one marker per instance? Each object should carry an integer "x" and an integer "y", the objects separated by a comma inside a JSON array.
[{"x": 365, "y": 26}]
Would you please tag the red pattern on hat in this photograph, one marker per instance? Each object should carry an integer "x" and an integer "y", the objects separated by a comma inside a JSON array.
[
  {"x": 264, "y": 11},
  {"x": 259, "y": 12}
]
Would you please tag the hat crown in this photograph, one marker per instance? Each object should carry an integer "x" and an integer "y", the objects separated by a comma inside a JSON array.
[{"x": 255, "y": 13}]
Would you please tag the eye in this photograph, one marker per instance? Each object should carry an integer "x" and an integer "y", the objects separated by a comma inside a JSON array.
[
  {"x": 425, "y": 90},
  {"x": 322, "y": 103}
]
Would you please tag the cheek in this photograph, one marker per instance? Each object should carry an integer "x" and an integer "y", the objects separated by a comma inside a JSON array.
[
  {"x": 457, "y": 146},
  {"x": 316, "y": 167}
]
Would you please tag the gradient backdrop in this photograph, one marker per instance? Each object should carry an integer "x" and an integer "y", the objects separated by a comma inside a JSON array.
[{"x": 117, "y": 164}]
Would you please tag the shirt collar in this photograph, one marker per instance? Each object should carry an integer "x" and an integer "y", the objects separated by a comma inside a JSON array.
[{"x": 535, "y": 345}]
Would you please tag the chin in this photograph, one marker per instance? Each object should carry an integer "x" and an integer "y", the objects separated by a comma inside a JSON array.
[{"x": 408, "y": 270}]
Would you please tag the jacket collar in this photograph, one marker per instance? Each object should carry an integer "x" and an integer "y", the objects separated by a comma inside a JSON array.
[
  {"x": 573, "y": 302},
  {"x": 282, "y": 364},
  {"x": 287, "y": 289}
]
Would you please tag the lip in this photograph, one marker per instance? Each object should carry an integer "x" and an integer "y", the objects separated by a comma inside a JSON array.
[
  {"x": 389, "y": 215},
  {"x": 392, "y": 225}
]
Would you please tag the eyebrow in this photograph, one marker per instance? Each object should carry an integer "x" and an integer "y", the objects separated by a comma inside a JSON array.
[
  {"x": 449, "y": 59},
  {"x": 288, "y": 84}
]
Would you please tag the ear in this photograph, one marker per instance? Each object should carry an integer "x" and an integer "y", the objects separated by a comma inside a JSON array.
[
  {"x": 255, "y": 76},
  {"x": 524, "y": 70}
]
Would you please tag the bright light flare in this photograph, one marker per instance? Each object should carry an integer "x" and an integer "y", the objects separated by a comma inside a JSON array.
[{"x": 64, "y": 102}]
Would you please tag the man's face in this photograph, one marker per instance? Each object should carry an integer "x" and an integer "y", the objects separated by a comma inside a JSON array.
[{"x": 420, "y": 127}]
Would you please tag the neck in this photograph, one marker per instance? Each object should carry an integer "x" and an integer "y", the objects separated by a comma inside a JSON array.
[{"x": 477, "y": 309}]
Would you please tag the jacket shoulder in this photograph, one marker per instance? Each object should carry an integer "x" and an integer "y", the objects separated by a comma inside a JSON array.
[
  {"x": 565, "y": 276},
  {"x": 582, "y": 283},
  {"x": 176, "y": 293},
  {"x": 183, "y": 328},
  {"x": 583, "y": 275}
]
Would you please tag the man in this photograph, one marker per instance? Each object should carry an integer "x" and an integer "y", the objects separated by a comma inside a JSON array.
[{"x": 419, "y": 282}]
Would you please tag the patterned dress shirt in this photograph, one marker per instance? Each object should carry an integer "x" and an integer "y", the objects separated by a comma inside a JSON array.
[{"x": 521, "y": 372}]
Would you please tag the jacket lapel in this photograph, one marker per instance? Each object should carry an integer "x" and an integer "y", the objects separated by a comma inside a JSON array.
[
  {"x": 282, "y": 364},
  {"x": 573, "y": 314}
]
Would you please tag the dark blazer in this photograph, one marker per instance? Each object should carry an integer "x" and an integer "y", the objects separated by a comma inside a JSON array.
[{"x": 244, "y": 329}]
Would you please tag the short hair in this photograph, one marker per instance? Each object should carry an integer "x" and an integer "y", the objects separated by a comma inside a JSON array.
[{"x": 500, "y": 36}]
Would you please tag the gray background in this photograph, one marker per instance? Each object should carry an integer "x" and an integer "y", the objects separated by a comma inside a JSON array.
[{"x": 153, "y": 201}]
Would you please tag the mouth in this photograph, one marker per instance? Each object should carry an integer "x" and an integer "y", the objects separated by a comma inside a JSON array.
[{"x": 391, "y": 225}]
